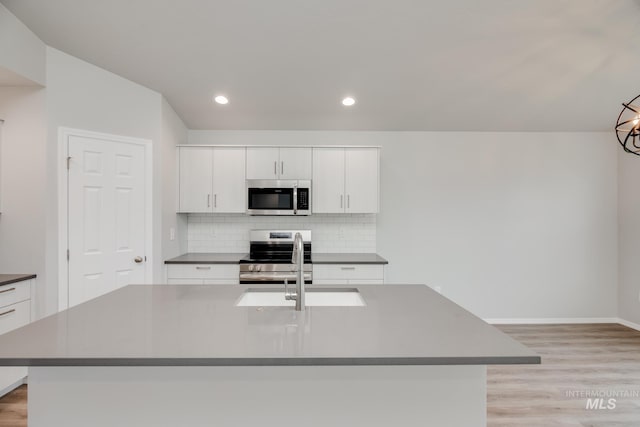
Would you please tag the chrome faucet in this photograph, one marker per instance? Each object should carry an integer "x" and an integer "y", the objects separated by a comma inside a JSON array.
[{"x": 297, "y": 259}]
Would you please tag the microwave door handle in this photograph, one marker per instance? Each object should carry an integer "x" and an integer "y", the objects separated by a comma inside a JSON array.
[{"x": 295, "y": 200}]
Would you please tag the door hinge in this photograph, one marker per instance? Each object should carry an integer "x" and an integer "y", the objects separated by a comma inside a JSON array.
[
  {"x": 67, "y": 254},
  {"x": 68, "y": 163}
]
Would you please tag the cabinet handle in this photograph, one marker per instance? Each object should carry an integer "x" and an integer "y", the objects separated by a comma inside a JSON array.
[
  {"x": 208, "y": 200},
  {"x": 215, "y": 200},
  {"x": 348, "y": 201},
  {"x": 347, "y": 268},
  {"x": 203, "y": 268},
  {"x": 275, "y": 168},
  {"x": 7, "y": 290},
  {"x": 8, "y": 312},
  {"x": 341, "y": 200}
]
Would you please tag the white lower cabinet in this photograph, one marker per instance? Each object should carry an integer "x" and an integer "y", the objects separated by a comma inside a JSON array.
[
  {"x": 15, "y": 312},
  {"x": 203, "y": 274},
  {"x": 351, "y": 274}
]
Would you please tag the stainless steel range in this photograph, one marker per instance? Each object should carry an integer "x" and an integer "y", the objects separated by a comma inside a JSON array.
[{"x": 269, "y": 259}]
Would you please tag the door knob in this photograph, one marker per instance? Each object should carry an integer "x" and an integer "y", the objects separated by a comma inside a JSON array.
[{"x": 138, "y": 259}]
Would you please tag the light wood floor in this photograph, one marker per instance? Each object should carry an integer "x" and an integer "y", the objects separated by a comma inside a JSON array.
[
  {"x": 13, "y": 408},
  {"x": 574, "y": 358},
  {"x": 600, "y": 358}
]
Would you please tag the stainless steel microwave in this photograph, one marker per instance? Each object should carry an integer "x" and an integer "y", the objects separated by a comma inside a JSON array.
[{"x": 278, "y": 197}]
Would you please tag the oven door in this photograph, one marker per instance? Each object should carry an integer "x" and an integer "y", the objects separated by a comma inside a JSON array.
[
  {"x": 272, "y": 274},
  {"x": 270, "y": 197}
]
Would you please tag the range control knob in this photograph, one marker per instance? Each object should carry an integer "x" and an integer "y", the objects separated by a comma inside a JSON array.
[
  {"x": 258, "y": 268},
  {"x": 251, "y": 267}
]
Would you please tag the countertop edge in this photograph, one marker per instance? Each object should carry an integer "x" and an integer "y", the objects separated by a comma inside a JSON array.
[
  {"x": 275, "y": 361},
  {"x": 170, "y": 262},
  {"x": 380, "y": 262},
  {"x": 22, "y": 278},
  {"x": 337, "y": 261}
]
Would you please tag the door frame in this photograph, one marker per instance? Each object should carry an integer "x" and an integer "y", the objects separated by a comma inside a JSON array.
[{"x": 63, "y": 204}]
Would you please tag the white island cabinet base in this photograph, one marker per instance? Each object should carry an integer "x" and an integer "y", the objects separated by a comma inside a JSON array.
[{"x": 265, "y": 396}]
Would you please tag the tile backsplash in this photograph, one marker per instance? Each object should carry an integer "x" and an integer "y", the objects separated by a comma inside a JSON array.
[{"x": 330, "y": 233}]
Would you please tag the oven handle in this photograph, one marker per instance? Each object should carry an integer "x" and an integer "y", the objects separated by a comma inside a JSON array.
[{"x": 272, "y": 277}]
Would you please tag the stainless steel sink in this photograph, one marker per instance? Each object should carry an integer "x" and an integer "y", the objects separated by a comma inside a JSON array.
[{"x": 335, "y": 297}]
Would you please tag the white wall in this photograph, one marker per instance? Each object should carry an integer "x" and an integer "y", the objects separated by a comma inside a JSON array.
[
  {"x": 510, "y": 225},
  {"x": 629, "y": 236},
  {"x": 22, "y": 174},
  {"x": 83, "y": 96},
  {"x": 21, "y": 51},
  {"x": 174, "y": 132}
]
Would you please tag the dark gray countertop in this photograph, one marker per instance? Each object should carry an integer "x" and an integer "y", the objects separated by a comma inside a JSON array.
[
  {"x": 349, "y": 258},
  {"x": 316, "y": 258},
  {"x": 196, "y": 325},
  {"x": 7, "y": 279},
  {"x": 207, "y": 258}
]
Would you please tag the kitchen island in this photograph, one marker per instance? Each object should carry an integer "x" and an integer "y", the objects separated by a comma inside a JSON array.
[{"x": 188, "y": 355}]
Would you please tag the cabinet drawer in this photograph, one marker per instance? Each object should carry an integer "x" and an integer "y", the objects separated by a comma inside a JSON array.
[
  {"x": 15, "y": 316},
  {"x": 203, "y": 271},
  {"x": 15, "y": 292},
  {"x": 348, "y": 272}
]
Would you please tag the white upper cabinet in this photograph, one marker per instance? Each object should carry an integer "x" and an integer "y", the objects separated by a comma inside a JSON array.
[
  {"x": 212, "y": 179},
  {"x": 196, "y": 179},
  {"x": 278, "y": 163},
  {"x": 295, "y": 163},
  {"x": 263, "y": 162},
  {"x": 328, "y": 180},
  {"x": 345, "y": 180},
  {"x": 228, "y": 179},
  {"x": 361, "y": 180}
]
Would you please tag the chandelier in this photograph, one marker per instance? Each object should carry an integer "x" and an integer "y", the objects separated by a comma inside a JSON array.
[{"x": 628, "y": 127}]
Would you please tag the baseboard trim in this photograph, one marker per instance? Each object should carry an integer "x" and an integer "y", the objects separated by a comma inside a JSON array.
[
  {"x": 13, "y": 386},
  {"x": 553, "y": 320},
  {"x": 629, "y": 324}
]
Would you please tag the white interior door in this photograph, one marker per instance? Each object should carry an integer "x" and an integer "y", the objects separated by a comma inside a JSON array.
[{"x": 106, "y": 216}]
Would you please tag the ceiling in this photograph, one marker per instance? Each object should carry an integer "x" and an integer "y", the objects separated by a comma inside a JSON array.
[{"x": 492, "y": 65}]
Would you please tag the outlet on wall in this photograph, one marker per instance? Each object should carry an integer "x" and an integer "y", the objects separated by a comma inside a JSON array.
[{"x": 172, "y": 233}]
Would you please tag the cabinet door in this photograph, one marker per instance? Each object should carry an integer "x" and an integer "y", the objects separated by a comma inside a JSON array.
[
  {"x": 196, "y": 179},
  {"x": 361, "y": 180},
  {"x": 295, "y": 163},
  {"x": 229, "y": 186},
  {"x": 328, "y": 180},
  {"x": 262, "y": 162}
]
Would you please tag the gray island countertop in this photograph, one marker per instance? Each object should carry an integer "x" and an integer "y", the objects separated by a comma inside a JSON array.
[{"x": 195, "y": 325}]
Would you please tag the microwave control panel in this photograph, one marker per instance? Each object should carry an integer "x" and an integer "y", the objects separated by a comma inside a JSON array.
[{"x": 303, "y": 199}]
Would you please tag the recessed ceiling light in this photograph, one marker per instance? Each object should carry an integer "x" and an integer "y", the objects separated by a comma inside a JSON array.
[
  {"x": 220, "y": 99},
  {"x": 348, "y": 101}
]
